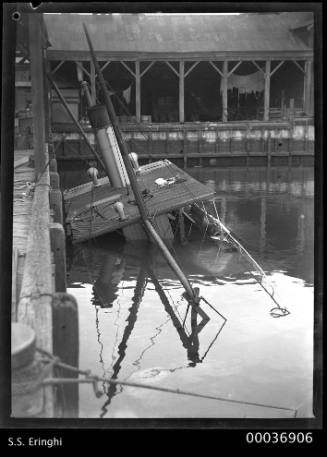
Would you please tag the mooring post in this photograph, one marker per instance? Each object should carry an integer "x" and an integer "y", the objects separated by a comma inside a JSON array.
[
  {"x": 58, "y": 247},
  {"x": 269, "y": 149},
  {"x": 65, "y": 337}
]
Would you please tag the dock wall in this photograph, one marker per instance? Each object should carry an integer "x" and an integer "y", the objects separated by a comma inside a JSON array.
[{"x": 196, "y": 141}]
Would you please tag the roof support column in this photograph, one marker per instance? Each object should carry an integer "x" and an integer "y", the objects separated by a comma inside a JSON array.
[
  {"x": 181, "y": 91},
  {"x": 138, "y": 91},
  {"x": 224, "y": 83},
  {"x": 267, "y": 91},
  {"x": 308, "y": 88}
]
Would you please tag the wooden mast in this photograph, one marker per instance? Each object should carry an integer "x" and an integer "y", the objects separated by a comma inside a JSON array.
[{"x": 150, "y": 230}]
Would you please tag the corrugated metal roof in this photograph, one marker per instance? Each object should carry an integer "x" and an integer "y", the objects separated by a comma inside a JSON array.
[{"x": 175, "y": 33}]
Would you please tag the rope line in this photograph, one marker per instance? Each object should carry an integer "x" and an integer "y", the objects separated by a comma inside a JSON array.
[{"x": 94, "y": 380}]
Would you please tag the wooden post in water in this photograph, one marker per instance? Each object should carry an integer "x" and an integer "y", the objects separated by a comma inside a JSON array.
[
  {"x": 307, "y": 89},
  {"x": 66, "y": 347},
  {"x": 55, "y": 200},
  {"x": 292, "y": 110},
  {"x": 138, "y": 91},
  {"x": 267, "y": 91},
  {"x": 263, "y": 212},
  {"x": 181, "y": 91},
  {"x": 225, "y": 91},
  {"x": 58, "y": 247},
  {"x": 269, "y": 149}
]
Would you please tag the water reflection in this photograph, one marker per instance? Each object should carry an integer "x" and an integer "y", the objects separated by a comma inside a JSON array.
[
  {"x": 111, "y": 275},
  {"x": 143, "y": 328}
]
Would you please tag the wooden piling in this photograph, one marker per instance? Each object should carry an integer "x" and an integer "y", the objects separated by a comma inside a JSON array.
[
  {"x": 58, "y": 247},
  {"x": 269, "y": 149},
  {"x": 53, "y": 166},
  {"x": 55, "y": 200},
  {"x": 54, "y": 180},
  {"x": 65, "y": 333}
]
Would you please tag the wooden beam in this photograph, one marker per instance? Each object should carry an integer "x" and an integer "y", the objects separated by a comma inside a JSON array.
[
  {"x": 131, "y": 56},
  {"x": 298, "y": 65},
  {"x": 105, "y": 65},
  {"x": 267, "y": 92},
  {"x": 308, "y": 88},
  {"x": 147, "y": 68},
  {"x": 234, "y": 68},
  {"x": 37, "y": 80},
  {"x": 47, "y": 102},
  {"x": 276, "y": 68},
  {"x": 224, "y": 91},
  {"x": 138, "y": 91},
  {"x": 172, "y": 68},
  {"x": 191, "y": 68},
  {"x": 216, "y": 68},
  {"x": 57, "y": 67},
  {"x": 127, "y": 68},
  {"x": 181, "y": 91},
  {"x": 258, "y": 66},
  {"x": 92, "y": 83}
]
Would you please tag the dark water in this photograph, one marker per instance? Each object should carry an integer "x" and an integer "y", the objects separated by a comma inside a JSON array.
[{"x": 131, "y": 309}]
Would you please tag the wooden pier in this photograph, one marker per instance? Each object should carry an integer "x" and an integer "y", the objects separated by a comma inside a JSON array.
[{"x": 39, "y": 298}]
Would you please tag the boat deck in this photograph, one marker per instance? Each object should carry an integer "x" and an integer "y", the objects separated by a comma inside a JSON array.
[{"x": 90, "y": 210}]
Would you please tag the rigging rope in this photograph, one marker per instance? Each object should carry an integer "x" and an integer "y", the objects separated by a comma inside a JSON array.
[{"x": 277, "y": 311}]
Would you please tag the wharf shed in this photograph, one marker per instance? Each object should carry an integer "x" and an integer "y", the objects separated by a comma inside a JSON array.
[
  {"x": 183, "y": 84},
  {"x": 157, "y": 54}
]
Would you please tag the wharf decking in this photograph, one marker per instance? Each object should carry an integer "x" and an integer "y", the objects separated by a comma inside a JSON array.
[
  {"x": 22, "y": 210},
  {"x": 33, "y": 284}
]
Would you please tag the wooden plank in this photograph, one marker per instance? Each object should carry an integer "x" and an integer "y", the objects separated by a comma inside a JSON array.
[
  {"x": 21, "y": 161},
  {"x": 83, "y": 188}
]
